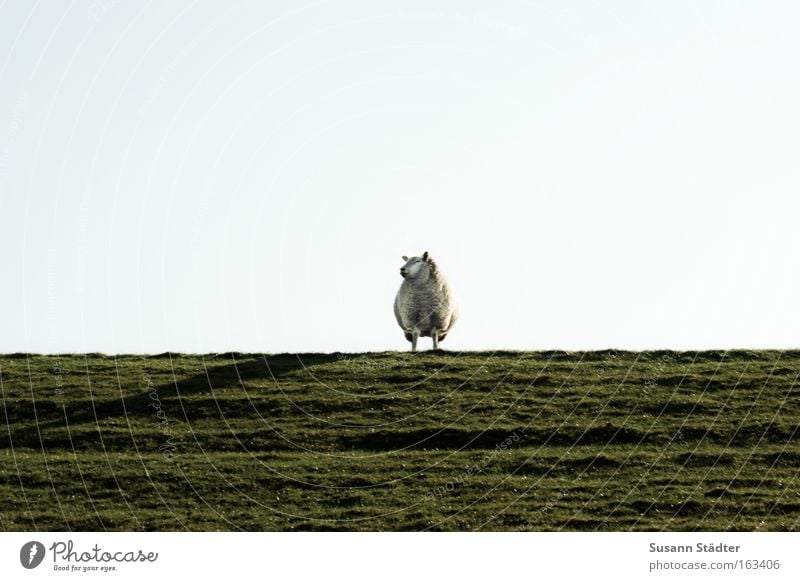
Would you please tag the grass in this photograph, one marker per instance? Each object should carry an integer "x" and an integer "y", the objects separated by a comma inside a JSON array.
[{"x": 549, "y": 441}]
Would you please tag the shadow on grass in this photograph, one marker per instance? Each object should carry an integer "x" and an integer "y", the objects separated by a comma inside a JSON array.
[{"x": 27, "y": 421}]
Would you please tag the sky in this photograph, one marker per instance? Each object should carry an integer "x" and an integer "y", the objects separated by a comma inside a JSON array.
[{"x": 215, "y": 176}]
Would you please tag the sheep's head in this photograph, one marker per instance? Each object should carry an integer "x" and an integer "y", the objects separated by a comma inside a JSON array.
[{"x": 413, "y": 266}]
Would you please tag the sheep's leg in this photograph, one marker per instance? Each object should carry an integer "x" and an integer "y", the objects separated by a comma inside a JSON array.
[
  {"x": 414, "y": 337},
  {"x": 435, "y": 337}
]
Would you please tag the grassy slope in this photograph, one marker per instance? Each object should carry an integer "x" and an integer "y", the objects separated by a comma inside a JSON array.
[{"x": 393, "y": 441}]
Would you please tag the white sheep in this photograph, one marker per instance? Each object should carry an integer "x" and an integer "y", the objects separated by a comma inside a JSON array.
[{"x": 425, "y": 305}]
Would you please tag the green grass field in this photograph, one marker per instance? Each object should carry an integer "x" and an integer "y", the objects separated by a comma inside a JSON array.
[{"x": 394, "y": 441}]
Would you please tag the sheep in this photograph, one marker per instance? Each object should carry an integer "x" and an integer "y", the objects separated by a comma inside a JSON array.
[{"x": 425, "y": 305}]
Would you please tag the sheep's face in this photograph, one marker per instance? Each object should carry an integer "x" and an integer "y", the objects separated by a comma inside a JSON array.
[{"x": 411, "y": 268}]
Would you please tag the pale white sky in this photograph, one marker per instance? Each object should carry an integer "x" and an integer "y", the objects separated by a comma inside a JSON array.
[{"x": 197, "y": 176}]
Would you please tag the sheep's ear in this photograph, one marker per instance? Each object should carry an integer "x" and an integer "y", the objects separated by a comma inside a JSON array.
[
  {"x": 405, "y": 258},
  {"x": 425, "y": 256}
]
